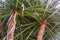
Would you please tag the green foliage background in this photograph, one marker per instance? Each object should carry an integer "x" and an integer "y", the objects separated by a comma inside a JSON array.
[{"x": 27, "y": 25}]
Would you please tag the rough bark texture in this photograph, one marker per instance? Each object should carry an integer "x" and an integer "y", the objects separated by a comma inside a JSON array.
[
  {"x": 11, "y": 23},
  {"x": 41, "y": 30}
]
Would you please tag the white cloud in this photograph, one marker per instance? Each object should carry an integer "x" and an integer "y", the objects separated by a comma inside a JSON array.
[
  {"x": 58, "y": 6},
  {"x": 3, "y": 0}
]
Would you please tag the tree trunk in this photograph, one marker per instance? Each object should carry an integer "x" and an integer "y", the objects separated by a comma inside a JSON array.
[
  {"x": 11, "y": 25},
  {"x": 41, "y": 30}
]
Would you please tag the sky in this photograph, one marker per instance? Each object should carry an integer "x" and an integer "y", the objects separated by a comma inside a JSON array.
[{"x": 3, "y": 0}]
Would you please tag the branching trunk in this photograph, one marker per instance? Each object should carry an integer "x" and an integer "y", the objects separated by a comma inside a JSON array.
[
  {"x": 41, "y": 30},
  {"x": 11, "y": 25}
]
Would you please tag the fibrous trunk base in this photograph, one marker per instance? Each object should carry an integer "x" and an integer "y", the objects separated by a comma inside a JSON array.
[{"x": 41, "y": 30}]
